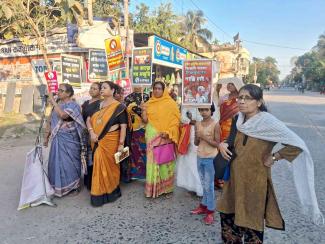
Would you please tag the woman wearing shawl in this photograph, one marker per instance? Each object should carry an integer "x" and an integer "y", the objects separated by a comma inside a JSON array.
[
  {"x": 138, "y": 156},
  {"x": 67, "y": 152},
  {"x": 245, "y": 207},
  {"x": 89, "y": 107},
  {"x": 163, "y": 120},
  {"x": 107, "y": 128}
]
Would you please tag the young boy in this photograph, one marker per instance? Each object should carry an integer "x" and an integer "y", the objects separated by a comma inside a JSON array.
[{"x": 207, "y": 140}]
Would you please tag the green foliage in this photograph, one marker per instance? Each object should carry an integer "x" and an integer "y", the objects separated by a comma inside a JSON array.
[
  {"x": 266, "y": 70},
  {"x": 192, "y": 31},
  {"x": 310, "y": 67},
  {"x": 162, "y": 21}
]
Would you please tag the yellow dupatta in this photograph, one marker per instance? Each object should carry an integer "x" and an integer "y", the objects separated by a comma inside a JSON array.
[{"x": 164, "y": 115}]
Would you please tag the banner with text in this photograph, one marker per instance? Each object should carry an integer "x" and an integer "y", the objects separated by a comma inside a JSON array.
[
  {"x": 197, "y": 82},
  {"x": 142, "y": 66},
  {"x": 71, "y": 70},
  {"x": 97, "y": 65},
  {"x": 114, "y": 53},
  {"x": 52, "y": 81}
]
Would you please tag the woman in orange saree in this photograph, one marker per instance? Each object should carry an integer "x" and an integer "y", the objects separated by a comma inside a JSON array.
[
  {"x": 107, "y": 128},
  {"x": 228, "y": 109}
]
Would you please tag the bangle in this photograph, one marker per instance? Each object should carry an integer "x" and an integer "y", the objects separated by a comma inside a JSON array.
[{"x": 90, "y": 129}]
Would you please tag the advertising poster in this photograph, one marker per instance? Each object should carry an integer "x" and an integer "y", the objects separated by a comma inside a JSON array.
[
  {"x": 71, "y": 70},
  {"x": 97, "y": 65},
  {"x": 114, "y": 53},
  {"x": 168, "y": 52},
  {"x": 197, "y": 82},
  {"x": 126, "y": 85},
  {"x": 142, "y": 66},
  {"x": 52, "y": 81}
]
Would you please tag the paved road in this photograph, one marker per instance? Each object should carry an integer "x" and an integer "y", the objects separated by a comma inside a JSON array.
[{"x": 134, "y": 219}]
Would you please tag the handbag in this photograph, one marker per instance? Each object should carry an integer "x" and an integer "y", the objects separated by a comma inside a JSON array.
[
  {"x": 219, "y": 162},
  {"x": 120, "y": 156},
  {"x": 164, "y": 153}
]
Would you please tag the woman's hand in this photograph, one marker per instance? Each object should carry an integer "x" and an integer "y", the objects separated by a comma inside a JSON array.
[
  {"x": 225, "y": 152},
  {"x": 51, "y": 98},
  {"x": 268, "y": 160},
  {"x": 164, "y": 135},
  {"x": 93, "y": 137},
  {"x": 120, "y": 148},
  {"x": 46, "y": 142}
]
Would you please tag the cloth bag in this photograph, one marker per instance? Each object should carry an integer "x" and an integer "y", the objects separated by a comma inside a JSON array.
[
  {"x": 184, "y": 140},
  {"x": 164, "y": 152}
]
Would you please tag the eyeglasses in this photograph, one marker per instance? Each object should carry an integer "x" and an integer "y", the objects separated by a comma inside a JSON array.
[
  {"x": 245, "y": 98},
  {"x": 61, "y": 90}
]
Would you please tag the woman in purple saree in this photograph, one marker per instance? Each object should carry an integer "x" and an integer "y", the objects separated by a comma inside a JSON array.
[{"x": 67, "y": 150}]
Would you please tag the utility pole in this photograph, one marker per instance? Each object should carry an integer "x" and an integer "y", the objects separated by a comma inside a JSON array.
[
  {"x": 126, "y": 26},
  {"x": 90, "y": 12},
  {"x": 255, "y": 76}
]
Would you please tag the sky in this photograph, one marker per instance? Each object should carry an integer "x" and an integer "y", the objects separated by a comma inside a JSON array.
[{"x": 295, "y": 24}]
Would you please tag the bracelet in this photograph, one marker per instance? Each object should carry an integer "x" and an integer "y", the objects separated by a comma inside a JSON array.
[{"x": 90, "y": 129}]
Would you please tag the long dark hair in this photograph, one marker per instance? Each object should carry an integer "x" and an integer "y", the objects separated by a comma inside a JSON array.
[{"x": 255, "y": 92}]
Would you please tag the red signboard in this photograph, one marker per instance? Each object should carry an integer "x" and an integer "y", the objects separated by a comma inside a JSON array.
[
  {"x": 126, "y": 85},
  {"x": 52, "y": 81},
  {"x": 197, "y": 82}
]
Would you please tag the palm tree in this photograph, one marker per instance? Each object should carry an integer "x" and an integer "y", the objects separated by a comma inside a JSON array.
[{"x": 192, "y": 31}]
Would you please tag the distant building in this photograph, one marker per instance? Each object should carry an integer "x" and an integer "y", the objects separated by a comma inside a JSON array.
[{"x": 234, "y": 59}]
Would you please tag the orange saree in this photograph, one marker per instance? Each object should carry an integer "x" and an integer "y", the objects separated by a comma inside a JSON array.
[
  {"x": 106, "y": 173},
  {"x": 228, "y": 109}
]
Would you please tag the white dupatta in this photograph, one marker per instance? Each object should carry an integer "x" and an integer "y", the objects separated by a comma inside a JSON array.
[{"x": 266, "y": 127}]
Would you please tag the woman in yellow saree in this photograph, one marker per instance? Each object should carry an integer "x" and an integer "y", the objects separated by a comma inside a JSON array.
[
  {"x": 107, "y": 128},
  {"x": 162, "y": 118}
]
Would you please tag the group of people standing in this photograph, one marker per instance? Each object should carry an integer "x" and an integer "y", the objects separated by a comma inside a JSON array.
[{"x": 85, "y": 139}]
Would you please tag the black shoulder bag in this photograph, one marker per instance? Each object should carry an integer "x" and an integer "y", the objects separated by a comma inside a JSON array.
[{"x": 219, "y": 162}]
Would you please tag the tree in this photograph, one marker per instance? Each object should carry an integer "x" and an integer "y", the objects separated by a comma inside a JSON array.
[
  {"x": 36, "y": 19},
  {"x": 320, "y": 47},
  {"x": 112, "y": 9},
  {"x": 266, "y": 70},
  {"x": 162, "y": 21},
  {"x": 192, "y": 30}
]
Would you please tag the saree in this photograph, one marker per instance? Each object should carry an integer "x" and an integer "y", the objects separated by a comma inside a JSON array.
[
  {"x": 106, "y": 173},
  {"x": 67, "y": 151},
  {"x": 138, "y": 156},
  {"x": 163, "y": 116},
  {"x": 228, "y": 109}
]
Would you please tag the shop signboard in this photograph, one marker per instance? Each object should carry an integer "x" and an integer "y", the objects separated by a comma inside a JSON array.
[
  {"x": 114, "y": 53},
  {"x": 71, "y": 70},
  {"x": 142, "y": 66},
  {"x": 168, "y": 52},
  {"x": 52, "y": 81},
  {"x": 97, "y": 65},
  {"x": 197, "y": 82}
]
